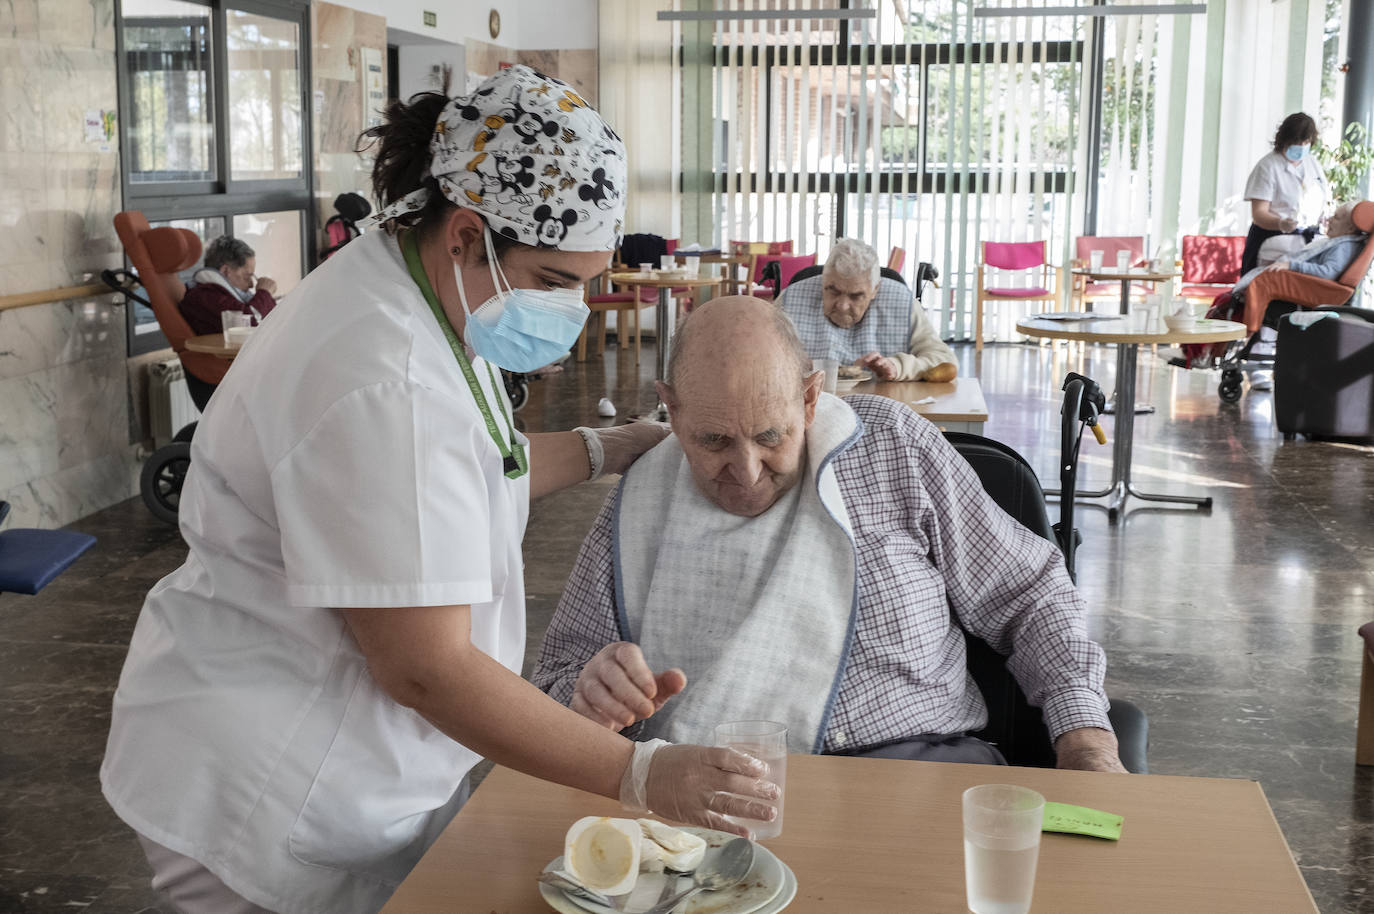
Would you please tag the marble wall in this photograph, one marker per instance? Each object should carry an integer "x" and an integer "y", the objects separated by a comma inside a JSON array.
[
  {"x": 577, "y": 68},
  {"x": 65, "y": 446},
  {"x": 338, "y": 35}
]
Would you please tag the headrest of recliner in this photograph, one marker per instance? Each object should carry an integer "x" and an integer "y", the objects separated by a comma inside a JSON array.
[
  {"x": 1363, "y": 216},
  {"x": 172, "y": 249}
]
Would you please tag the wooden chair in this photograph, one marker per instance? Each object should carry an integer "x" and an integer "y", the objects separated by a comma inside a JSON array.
[
  {"x": 624, "y": 304},
  {"x": 1020, "y": 256},
  {"x": 1083, "y": 292},
  {"x": 1211, "y": 265},
  {"x": 1364, "y": 732},
  {"x": 753, "y": 273}
]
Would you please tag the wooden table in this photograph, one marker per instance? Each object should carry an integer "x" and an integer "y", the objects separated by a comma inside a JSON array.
[
  {"x": 213, "y": 343},
  {"x": 878, "y": 835},
  {"x": 665, "y": 315},
  {"x": 959, "y": 405},
  {"x": 1121, "y": 332}
]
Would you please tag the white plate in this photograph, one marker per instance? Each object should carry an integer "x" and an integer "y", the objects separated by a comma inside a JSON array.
[
  {"x": 768, "y": 888},
  {"x": 843, "y": 384}
]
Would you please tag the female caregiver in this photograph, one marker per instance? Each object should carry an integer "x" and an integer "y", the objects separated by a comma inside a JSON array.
[
  {"x": 1287, "y": 190},
  {"x": 304, "y": 697}
]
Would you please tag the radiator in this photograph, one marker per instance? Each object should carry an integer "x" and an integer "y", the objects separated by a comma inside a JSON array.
[{"x": 170, "y": 407}]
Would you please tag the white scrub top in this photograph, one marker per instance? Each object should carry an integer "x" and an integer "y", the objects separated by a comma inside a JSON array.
[
  {"x": 1296, "y": 191},
  {"x": 343, "y": 462}
]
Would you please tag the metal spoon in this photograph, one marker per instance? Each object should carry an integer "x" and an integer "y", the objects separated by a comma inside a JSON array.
[
  {"x": 559, "y": 881},
  {"x": 727, "y": 868}
]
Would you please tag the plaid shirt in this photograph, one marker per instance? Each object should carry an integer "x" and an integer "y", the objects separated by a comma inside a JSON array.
[{"x": 929, "y": 541}]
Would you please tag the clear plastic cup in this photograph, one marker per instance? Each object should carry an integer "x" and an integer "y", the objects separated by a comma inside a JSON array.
[
  {"x": 1001, "y": 847},
  {"x": 231, "y": 320},
  {"x": 766, "y": 741},
  {"x": 646, "y": 268},
  {"x": 831, "y": 367},
  {"x": 1095, "y": 261},
  {"x": 1123, "y": 260},
  {"x": 667, "y": 262}
]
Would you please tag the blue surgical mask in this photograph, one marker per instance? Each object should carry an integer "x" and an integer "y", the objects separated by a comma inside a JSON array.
[
  {"x": 521, "y": 329},
  {"x": 1295, "y": 153}
]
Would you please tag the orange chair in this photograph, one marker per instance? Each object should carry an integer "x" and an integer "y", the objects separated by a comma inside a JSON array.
[
  {"x": 158, "y": 255},
  {"x": 1020, "y": 256},
  {"x": 1364, "y": 730},
  {"x": 1082, "y": 291},
  {"x": 1211, "y": 266}
]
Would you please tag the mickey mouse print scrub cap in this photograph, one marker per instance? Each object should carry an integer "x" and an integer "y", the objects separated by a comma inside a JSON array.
[{"x": 531, "y": 156}]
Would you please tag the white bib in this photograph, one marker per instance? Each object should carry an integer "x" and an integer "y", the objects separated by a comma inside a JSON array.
[{"x": 758, "y": 612}]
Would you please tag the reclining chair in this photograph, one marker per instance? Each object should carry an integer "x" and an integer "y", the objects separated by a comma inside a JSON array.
[
  {"x": 1274, "y": 293},
  {"x": 1324, "y": 374},
  {"x": 158, "y": 255}
]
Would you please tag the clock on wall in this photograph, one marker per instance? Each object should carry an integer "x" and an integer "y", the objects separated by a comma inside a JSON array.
[{"x": 494, "y": 23}]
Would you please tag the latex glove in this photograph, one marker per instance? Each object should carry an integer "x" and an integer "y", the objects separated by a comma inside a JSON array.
[
  {"x": 622, "y": 444},
  {"x": 1088, "y": 749},
  {"x": 616, "y": 688},
  {"x": 1287, "y": 224},
  {"x": 880, "y": 365},
  {"x": 698, "y": 785}
]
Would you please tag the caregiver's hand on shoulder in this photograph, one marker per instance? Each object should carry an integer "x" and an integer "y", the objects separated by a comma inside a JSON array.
[
  {"x": 616, "y": 688},
  {"x": 701, "y": 785},
  {"x": 623, "y": 444}
]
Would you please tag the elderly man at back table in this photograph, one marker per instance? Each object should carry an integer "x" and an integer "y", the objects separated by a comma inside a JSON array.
[
  {"x": 857, "y": 316},
  {"x": 787, "y": 555}
]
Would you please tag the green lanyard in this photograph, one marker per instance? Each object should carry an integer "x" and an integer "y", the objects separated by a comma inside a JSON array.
[{"x": 515, "y": 464}]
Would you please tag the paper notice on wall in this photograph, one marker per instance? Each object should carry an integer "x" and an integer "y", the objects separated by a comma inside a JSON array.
[
  {"x": 100, "y": 128},
  {"x": 374, "y": 86}
]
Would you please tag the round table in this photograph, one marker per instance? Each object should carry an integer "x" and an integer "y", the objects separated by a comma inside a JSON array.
[
  {"x": 665, "y": 315},
  {"x": 213, "y": 344},
  {"x": 1120, "y": 332},
  {"x": 1135, "y": 274}
]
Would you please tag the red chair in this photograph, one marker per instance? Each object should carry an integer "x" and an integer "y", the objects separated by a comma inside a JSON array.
[
  {"x": 1084, "y": 291},
  {"x": 1019, "y": 256},
  {"x": 1211, "y": 265},
  {"x": 896, "y": 259},
  {"x": 1364, "y": 731},
  {"x": 754, "y": 250},
  {"x": 159, "y": 254},
  {"x": 771, "y": 279}
]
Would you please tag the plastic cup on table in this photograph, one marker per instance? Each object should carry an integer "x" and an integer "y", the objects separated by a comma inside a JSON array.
[
  {"x": 233, "y": 320},
  {"x": 693, "y": 265},
  {"x": 1095, "y": 261},
  {"x": 667, "y": 262},
  {"x": 646, "y": 268},
  {"x": 1123, "y": 261},
  {"x": 766, "y": 741},
  {"x": 1001, "y": 847},
  {"x": 831, "y": 367}
]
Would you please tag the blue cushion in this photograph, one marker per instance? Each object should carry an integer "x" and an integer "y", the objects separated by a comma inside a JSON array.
[{"x": 29, "y": 559}]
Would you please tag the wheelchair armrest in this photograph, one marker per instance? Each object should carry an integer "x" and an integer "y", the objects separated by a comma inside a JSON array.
[
  {"x": 1132, "y": 735},
  {"x": 1364, "y": 313}
]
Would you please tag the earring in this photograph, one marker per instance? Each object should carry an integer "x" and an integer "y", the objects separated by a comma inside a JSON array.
[{"x": 455, "y": 250}]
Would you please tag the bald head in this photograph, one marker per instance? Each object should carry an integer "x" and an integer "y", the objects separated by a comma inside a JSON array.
[
  {"x": 736, "y": 334},
  {"x": 740, "y": 394}
]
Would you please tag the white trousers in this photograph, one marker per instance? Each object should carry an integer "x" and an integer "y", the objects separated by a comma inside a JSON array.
[{"x": 190, "y": 887}]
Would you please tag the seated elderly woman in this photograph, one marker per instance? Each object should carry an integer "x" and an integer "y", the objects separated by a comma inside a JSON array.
[
  {"x": 791, "y": 556},
  {"x": 855, "y": 315},
  {"x": 1327, "y": 257},
  {"x": 226, "y": 283}
]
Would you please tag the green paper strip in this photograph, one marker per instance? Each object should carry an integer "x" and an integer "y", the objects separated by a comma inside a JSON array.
[{"x": 1080, "y": 820}]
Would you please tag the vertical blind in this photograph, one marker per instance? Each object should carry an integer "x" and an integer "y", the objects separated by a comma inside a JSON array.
[{"x": 931, "y": 129}]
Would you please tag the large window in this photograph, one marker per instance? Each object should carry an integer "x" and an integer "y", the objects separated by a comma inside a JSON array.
[{"x": 215, "y": 128}]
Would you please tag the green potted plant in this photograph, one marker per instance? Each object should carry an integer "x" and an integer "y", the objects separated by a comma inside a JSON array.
[{"x": 1347, "y": 163}]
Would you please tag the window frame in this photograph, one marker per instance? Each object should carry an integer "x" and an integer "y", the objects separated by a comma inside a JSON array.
[{"x": 223, "y": 196}]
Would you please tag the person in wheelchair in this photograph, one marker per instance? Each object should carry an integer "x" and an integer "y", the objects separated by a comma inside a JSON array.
[
  {"x": 227, "y": 283},
  {"x": 837, "y": 318},
  {"x": 792, "y": 556}
]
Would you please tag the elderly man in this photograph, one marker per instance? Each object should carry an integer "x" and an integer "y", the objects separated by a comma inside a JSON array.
[
  {"x": 227, "y": 283},
  {"x": 855, "y": 315},
  {"x": 791, "y": 556}
]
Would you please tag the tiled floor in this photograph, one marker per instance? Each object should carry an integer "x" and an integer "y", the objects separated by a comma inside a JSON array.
[{"x": 1234, "y": 629}]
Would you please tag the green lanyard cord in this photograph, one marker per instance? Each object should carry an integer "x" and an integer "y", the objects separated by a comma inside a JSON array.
[{"x": 513, "y": 459}]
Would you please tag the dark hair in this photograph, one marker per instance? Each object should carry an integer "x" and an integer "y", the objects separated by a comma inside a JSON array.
[
  {"x": 227, "y": 251},
  {"x": 402, "y": 165},
  {"x": 1295, "y": 129}
]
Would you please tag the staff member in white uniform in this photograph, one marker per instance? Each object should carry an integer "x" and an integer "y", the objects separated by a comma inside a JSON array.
[
  {"x": 1287, "y": 190},
  {"x": 304, "y": 697}
]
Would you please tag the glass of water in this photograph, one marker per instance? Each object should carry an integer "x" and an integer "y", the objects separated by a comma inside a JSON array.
[
  {"x": 766, "y": 741},
  {"x": 1001, "y": 847}
]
